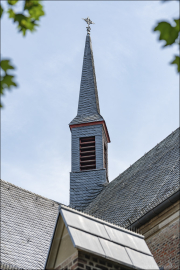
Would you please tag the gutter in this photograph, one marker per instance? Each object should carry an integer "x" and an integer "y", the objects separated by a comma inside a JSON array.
[{"x": 155, "y": 211}]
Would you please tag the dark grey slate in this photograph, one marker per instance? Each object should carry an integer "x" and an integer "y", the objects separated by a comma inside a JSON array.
[
  {"x": 88, "y": 107},
  {"x": 144, "y": 185},
  {"x": 28, "y": 220},
  {"x": 27, "y": 224},
  {"x": 85, "y": 186}
]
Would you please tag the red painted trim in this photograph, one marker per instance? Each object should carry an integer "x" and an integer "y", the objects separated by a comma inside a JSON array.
[
  {"x": 86, "y": 124},
  {"x": 91, "y": 124}
]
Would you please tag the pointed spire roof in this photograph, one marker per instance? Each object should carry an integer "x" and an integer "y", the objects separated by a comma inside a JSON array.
[{"x": 88, "y": 107}]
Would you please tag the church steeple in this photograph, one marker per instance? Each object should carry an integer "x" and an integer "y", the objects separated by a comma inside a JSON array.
[
  {"x": 90, "y": 138},
  {"x": 88, "y": 107}
]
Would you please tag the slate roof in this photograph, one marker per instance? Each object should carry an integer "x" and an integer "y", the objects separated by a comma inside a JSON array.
[
  {"x": 80, "y": 119},
  {"x": 28, "y": 220},
  {"x": 27, "y": 224},
  {"x": 148, "y": 182},
  {"x": 88, "y": 107}
]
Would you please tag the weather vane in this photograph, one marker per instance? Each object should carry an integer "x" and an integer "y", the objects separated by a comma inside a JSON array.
[{"x": 88, "y": 22}]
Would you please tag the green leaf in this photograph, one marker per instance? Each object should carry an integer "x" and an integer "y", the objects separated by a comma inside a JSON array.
[
  {"x": 34, "y": 8},
  {"x": 20, "y": 17},
  {"x": 36, "y": 12},
  {"x": 11, "y": 13},
  {"x": 168, "y": 33},
  {"x": 177, "y": 24},
  {"x": 12, "y": 2},
  {"x": 176, "y": 61},
  {"x": 5, "y": 65},
  {"x": 28, "y": 21},
  {"x": 7, "y": 81},
  {"x": 1, "y": 11},
  {"x": 30, "y": 3},
  {"x": 24, "y": 23}
]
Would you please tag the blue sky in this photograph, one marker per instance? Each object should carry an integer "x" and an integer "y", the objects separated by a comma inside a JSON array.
[{"x": 138, "y": 89}]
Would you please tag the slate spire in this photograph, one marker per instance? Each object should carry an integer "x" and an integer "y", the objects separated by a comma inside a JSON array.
[
  {"x": 89, "y": 138},
  {"x": 88, "y": 99},
  {"x": 88, "y": 107}
]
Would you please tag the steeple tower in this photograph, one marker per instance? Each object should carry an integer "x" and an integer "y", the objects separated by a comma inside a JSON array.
[{"x": 89, "y": 170}]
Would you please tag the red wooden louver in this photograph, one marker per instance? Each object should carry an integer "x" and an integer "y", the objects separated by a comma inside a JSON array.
[{"x": 87, "y": 153}]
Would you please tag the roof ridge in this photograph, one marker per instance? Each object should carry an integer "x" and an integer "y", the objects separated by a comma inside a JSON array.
[{"x": 27, "y": 191}]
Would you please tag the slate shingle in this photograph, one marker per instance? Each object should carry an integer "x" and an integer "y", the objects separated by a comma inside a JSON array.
[
  {"x": 145, "y": 184},
  {"x": 28, "y": 220},
  {"x": 27, "y": 224},
  {"x": 88, "y": 107}
]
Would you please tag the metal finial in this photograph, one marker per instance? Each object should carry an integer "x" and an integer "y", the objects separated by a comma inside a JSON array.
[{"x": 88, "y": 21}]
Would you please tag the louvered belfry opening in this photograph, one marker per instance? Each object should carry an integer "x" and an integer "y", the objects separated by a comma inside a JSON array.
[{"x": 87, "y": 153}]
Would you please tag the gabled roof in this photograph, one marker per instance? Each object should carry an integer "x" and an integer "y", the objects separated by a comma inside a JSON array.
[
  {"x": 144, "y": 185},
  {"x": 88, "y": 107},
  {"x": 106, "y": 240},
  {"x": 28, "y": 220},
  {"x": 27, "y": 224}
]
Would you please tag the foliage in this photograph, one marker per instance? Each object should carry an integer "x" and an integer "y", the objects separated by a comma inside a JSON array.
[
  {"x": 7, "y": 80},
  {"x": 171, "y": 35},
  {"x": 27, "y": 20}
]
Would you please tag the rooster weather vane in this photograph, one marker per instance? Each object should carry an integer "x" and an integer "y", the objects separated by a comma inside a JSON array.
[{"x": 88, "y": 22}]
